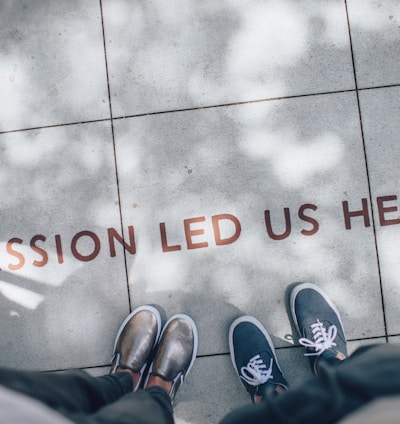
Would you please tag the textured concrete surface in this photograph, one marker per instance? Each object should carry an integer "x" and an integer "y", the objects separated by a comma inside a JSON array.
[{"x": 233, "y": 148}]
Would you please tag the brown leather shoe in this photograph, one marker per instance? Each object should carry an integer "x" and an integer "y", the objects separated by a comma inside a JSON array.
[
  {"x": 176, "y": 351},
  {"x": 136, "y": 340}
]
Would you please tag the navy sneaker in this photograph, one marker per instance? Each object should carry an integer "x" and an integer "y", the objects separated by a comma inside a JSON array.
[
  {"x": 253, "y": 357},
  {"x": 319, "y": 325}
]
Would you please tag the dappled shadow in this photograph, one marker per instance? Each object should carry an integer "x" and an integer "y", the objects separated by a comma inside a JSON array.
[
  {"x": 195, "y": 54},
  {"x": 237, "y": 157},
  {"x": 239, "y": 160},
  {"x": 57, "y": 183},
  {"x": 52, "y": 64},
  {"x": 242, "y": 159}
]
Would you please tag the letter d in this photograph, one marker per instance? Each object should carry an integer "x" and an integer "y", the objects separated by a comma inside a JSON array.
[{"x": 217, "y": 233}]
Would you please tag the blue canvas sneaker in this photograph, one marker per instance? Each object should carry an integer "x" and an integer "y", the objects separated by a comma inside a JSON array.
[
  {"x": 319, "y": 325},
  {"x": 253, "y": 357}
]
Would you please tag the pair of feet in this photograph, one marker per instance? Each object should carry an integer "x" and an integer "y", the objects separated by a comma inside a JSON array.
[
  {"x": 321, "y": 333},
  {"x": 155, "y": 355}
]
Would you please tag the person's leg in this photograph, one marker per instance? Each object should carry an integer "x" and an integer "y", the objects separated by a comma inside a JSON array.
[
  {"x": 321, "y": 333},
  {"x": 173, "y": 360},
  {"x": 151, "y": 406},
  {"x": 70, "y": 392},
  {"x": 334, "y": 393},
  {"x": 73, "y": 393},
  {"x": 85, "y": 399}
]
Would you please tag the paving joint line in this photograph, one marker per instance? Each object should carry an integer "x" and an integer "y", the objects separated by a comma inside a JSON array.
[
  {"x": 268, "y": 99},
  {"x": 368, "y": 176},
  {"x": 245, "y": 102},
  {"x": 115, "y": 155},
  {"x": 221, "y": 354}
]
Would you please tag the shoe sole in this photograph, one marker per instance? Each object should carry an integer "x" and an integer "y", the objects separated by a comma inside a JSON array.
[
  {"x": 195, "y": 336},
  {"x": 303, "y": 286},
  {"x": 248, "y": 318},
  {"x": 134, "y": 312}
]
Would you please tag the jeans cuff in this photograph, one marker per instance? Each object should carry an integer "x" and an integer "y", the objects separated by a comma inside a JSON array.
[
  {"x": 125, "y": 381},
  {"x": 114, "y": 386},
  {"x": 161, "y": 396}
]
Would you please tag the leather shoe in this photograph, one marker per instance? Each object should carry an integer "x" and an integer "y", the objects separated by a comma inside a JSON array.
[
  {"x": 176, "y": 351},
  {"x": 136, "y": 340}
]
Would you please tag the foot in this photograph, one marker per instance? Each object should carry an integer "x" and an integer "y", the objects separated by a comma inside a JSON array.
[
  {"x": 319, "y": 325},
  {"x": 175, "y": 354},
  {"x": 135, "y": 343},
  {"x": 254, "y": 359}
]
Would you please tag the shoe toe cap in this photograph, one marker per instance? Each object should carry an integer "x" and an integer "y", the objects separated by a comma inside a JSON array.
[
  {"x": 176, "y": 349},
  {"x": 137, "y": 340}
]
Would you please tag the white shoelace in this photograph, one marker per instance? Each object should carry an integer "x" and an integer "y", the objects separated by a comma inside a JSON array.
[
  {"x": 256, "y": 372},
  {"x": 322, "y": 339}
]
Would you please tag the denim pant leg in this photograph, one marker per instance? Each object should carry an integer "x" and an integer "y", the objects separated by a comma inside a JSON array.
[
  {"x": 114, "y": 386},
  {"x": 86, "y": 399},
  {"x": 69, "y": 393},
  {"x": 152, "y": 406},
  {"x": 371, "y": 372}
]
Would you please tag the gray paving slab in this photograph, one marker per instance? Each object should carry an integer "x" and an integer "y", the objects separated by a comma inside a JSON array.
[
  {"x": 381, "y": 128},
  {"x": 207, "y": 176},
  {"x": 63, "y": 295},
  {"x": 195, "y": 185},
  {"x": 52, "y": 64},
  {"x": 206, "y": 53},
  {"x": 375, "y": 39}
]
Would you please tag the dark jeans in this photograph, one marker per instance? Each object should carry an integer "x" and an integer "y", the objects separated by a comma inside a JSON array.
[
  {"x": 371, "y": 372},
  {"x": 85, "y": 399}
]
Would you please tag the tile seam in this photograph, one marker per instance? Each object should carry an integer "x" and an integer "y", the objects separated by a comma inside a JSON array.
[
  {"x": 232, "y": 104},
  {"x": 211, "y": 355},
  {"x": 114, "y": 118},
  {"x": 268, "y": 99},
  {"x": 367, "y": 172},
  {"x": 115, "y": 154}
]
